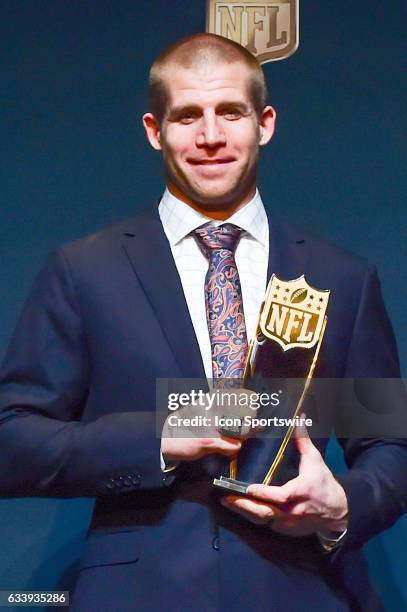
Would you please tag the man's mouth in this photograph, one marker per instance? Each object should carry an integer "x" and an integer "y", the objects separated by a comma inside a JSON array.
[{"x": 211, "y": 162}]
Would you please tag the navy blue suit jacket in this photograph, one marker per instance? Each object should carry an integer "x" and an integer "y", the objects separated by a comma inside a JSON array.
[{"x": 107, "y": 317}]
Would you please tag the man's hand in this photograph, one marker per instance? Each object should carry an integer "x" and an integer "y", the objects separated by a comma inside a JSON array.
[
  {"x": 191, "y": 449},
  {"x": 192, "y": 442},
  {"x": 312, "y": 502}
]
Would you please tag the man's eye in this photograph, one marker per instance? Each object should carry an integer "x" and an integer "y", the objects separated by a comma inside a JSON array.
[
  {"x": 232, "y": 114},
  {"x": 187, "y": 118}
]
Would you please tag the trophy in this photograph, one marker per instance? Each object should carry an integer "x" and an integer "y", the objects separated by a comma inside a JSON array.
[{"x": 287, "y": 343}]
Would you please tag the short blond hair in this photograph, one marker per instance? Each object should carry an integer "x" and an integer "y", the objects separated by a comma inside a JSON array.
[{"x": 201, "y": 49}]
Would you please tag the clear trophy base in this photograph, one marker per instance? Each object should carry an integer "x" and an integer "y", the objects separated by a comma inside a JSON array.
[{"x": 231, "y": 485}]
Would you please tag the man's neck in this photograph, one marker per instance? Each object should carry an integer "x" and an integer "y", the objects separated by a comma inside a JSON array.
[{"x": 218, "y": 212}]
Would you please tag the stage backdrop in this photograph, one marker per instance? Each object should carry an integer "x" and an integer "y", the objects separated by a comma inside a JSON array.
[{"x": 74, "y": 158}]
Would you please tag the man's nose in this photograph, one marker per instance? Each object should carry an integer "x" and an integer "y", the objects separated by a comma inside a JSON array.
[{"x": 211, "y": 132}]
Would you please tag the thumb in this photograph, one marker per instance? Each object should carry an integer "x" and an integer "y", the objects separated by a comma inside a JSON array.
[{"x": 304, "y": 443}]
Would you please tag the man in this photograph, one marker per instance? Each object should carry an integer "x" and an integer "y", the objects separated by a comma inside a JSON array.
[{"x": 113, "y": 312}]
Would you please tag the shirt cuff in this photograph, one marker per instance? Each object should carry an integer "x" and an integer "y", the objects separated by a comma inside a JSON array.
[
  {"x": 329, "y": 544},
  {"x": 167, "y": 467}
]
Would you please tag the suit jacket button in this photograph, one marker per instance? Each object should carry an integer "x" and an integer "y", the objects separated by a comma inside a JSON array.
[{"x": 216, "y": 543}]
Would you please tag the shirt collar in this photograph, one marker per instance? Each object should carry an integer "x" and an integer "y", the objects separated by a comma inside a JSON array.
[{"x": 179, "y": 219}]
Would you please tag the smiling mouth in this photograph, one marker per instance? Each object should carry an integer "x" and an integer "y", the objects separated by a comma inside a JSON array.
[{"x": 210, "y": 162}]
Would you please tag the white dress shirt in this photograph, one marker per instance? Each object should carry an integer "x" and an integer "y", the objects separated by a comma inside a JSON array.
[{"x": 251, "y": 255}]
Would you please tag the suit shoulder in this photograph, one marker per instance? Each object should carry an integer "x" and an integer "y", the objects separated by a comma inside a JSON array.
[
  {"x": 102, "y": 243},
  {"x": 326, "y": 253},
  {"x": 98, "y": 239}
]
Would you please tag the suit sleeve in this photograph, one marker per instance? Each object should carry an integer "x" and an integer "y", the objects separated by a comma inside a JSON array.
[
  {"x": 375, "y": 484},
  {"x": 45, "y": 448}
]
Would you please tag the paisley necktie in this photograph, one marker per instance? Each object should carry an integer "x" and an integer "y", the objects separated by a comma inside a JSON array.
[{"x": 223, "y": 298}]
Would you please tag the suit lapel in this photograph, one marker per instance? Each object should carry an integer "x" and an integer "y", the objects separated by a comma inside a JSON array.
[
  {"x": 288, "y": 250},
  {"x": 150, "y": 256}
]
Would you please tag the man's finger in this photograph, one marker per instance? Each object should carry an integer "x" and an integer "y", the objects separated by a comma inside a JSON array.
[
  {"x": 304, "y": 443},
  {"x": 222, "y": 445},
  {"x": 280, "y": 495},
  {"x": 253, "y": 510},
  {"x": 247, "y": 515}
]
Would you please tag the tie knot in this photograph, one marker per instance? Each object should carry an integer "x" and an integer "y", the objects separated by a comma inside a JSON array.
[{"x": 211, "y": 238}]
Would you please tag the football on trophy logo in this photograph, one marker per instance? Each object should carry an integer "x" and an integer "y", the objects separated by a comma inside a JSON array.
[{"x": 299, "y": 296}]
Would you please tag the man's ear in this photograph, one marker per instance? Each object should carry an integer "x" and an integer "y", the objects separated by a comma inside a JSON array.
[
  {"x": 267, "y": 125},
  {"x": 152, "y": 128}
]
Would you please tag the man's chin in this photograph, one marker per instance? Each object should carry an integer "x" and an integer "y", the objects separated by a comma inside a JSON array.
[
  {"x": 211, "y": 197},
  {"x": 216, "y": 198},
  {"x": 216, "y": 203}
]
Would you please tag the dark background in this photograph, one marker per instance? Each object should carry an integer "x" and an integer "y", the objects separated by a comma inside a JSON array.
[{"x": 73, "y": 158}]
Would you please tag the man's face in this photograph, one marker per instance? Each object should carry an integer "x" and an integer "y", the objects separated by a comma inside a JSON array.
[{"x": 210, "y": 135}]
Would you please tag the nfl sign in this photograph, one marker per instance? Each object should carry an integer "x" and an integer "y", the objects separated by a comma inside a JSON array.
[
  {"x": 293, "y": 313},
  {"x": 268, "y": 29}
]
